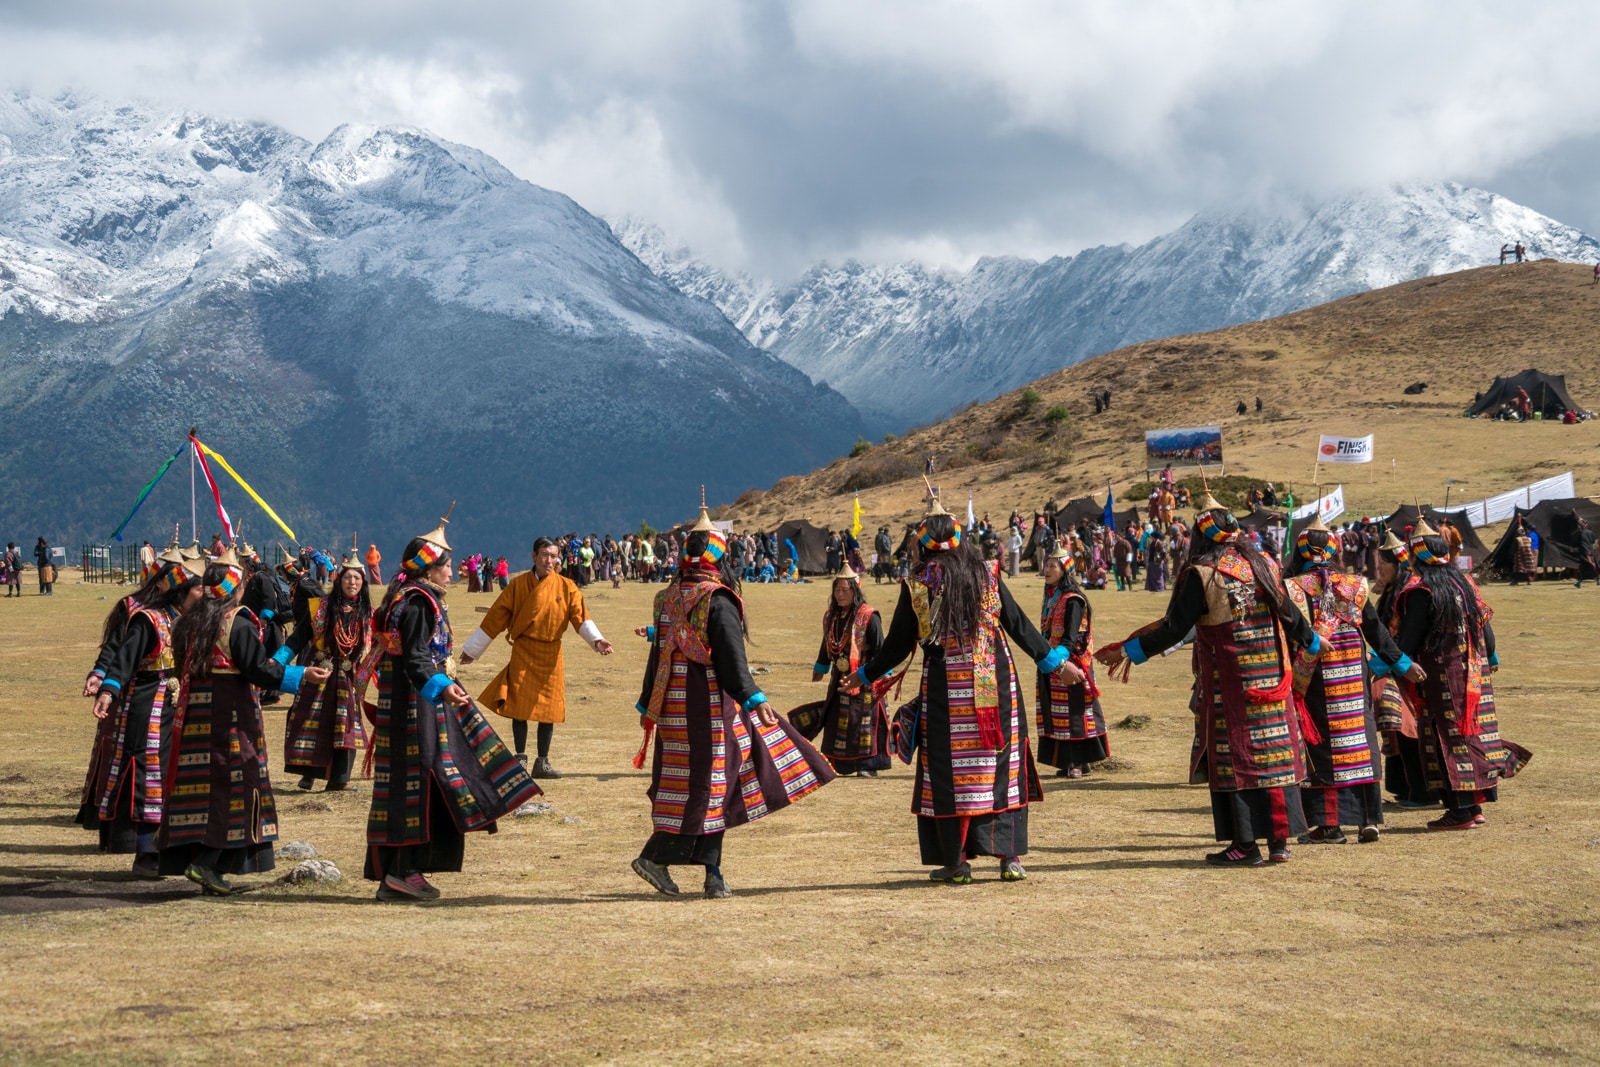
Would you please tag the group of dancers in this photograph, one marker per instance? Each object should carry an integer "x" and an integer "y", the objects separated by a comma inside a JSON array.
[{"x": 1301, "y": 685}]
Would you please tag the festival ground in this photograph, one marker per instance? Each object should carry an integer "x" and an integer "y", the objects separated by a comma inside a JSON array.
[{"x": 1120, "y": 947}]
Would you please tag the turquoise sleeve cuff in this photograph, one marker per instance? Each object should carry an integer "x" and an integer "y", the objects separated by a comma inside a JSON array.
[
  {"x": 820, "y": 668},
  {"x": 861, "y": 675},
  {"x": 641, "y": 709},
  {"x": 97, "y": 673},
  {"x": 759, "y": 698},
  {"x": 267, "y": 614},
  {"x": 111, "y": 684},
  {"x": 291, "y": 679},
  {"x": 1404, "y": 664},
  {"x": 1315, "y": 647},
  {"x": 1057, "y": 656},
  {"x": 650, "y": 634},
  {"x": 1377, "y": 666},
  {"x": 283, "y": 656},
  {"x": 1494, "y": 659},
  {"x": 1134, "y": 651},
  {"x": 435, "y": 685}
]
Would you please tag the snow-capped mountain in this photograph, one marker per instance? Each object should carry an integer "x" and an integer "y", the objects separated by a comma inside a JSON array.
[
  {"x": 373, "y": 325},
  {"x": 906, "y": 343}
]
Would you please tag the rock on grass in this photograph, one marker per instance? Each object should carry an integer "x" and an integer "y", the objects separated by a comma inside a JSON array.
[
  {"x": 1134, "y": 722},
  {"x": 297, "y": 850},
  {"x": 312, "y": 871}
]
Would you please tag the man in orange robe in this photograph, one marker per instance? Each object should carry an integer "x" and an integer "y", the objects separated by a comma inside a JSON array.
[{"x": 534, "y": 612}]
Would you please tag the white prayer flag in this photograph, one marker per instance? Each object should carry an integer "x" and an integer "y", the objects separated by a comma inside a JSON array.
[{"x": 1335, "y": 449}]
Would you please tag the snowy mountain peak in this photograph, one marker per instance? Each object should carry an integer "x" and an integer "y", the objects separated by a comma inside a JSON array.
[{"x": 907, "y": 343}]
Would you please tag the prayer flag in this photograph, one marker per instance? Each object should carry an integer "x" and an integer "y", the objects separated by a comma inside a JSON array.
[
  {"x": 216, "y": 494},
  {"x": 1108, "y": 517},
  {"x": 203, "y": 451},
  {"x": 151, "y": 484},
  {"x": 855, "y": 517}
]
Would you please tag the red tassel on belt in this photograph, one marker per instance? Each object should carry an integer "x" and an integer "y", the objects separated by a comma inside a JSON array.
[{"x": 649, "y": 732}]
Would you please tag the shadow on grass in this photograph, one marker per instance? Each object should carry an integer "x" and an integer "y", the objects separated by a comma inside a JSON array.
[
  {"x": 36, "y": 820},
  {"x": 1196, "y": 859},
  {"x": 89, "y": 846},
  {"x": 1101, "y": 785},
  {"x": 1094, "y": 849},
  {"x": 500, "y": 900}
]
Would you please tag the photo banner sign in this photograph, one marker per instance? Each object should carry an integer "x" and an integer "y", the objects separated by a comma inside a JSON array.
[
  {"x": 1335, "y": 449},
  {"x": 1188, "y": 446}
]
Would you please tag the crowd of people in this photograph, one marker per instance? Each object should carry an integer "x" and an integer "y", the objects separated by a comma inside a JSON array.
[{"x": 1315, "y": 684}]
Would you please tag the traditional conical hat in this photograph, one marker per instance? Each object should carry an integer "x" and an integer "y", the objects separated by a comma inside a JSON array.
[
  {"x": 1391, "y": 543},
  {"x": 848, "y": 573},
  {"x": 1316, "y": 524},
  {"x": 171, "y": 555},
  {"x": 934, "y": 507},
  {"x": 228, "y": 558},
  {"x": 1059, "y": 552},
  {"x": 704, "y": 521},
  {"x": 352, "y": 562},
  {"x": 436, "y": 535},
  {"x": 1422, "y": 529}
]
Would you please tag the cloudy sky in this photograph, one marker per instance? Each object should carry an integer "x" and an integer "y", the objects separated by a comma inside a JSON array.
[{"x": 771, "y": 134}]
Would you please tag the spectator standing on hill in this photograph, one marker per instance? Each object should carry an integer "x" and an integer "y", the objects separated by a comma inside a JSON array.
[
  {"x": 1597, "y": 273},
  {"x": 374, "y": 563}
]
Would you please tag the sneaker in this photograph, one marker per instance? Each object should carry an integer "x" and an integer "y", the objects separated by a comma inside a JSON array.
[
  {"x": 1236, "y": 856},
  {"x": 522, "y": 758},
  {"x": 716, "y": 886},
  {"x": 147, "y": 866},
  {"x": 210, "y": 882},
  {"x": 394, "y": 887},
  {"x": 1011, "y": 870},
  {"x": 1454, "y": 821},
  {"x": 1478, "y": 819},
  {"x": 416, "y": 881},
  {"x": 957, "y": 874},
  {"x": 1063, "y": 772},
  {"x": 305, "y": 783},
  {"x": 656, "y": 875},
  {"x": 541, "y": 768},
  {"x": 1368, "y": 835},
  {"x": 1278, "y": 851},
  {"x": 1313, "y": 836},
  {"x": 1332, "y": 835},
  {"x": 869, "y": 774}
]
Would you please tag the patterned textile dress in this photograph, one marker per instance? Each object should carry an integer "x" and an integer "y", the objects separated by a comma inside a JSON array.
[
  {"x": 129, "y": 792},
  {"x": 1247, "y": 741},
  {"x": 1342, "y": 784},
  {"x": 715, "y": 765},
  {"x": 1072, "y": 728},
  {"x": 325, "y": 728},
  {"x": 974, "y": 768},
  {"x": 855, "y": 729},
  {"x": 439, "y": 772},
  {"x": 105, "y": 742},
  {"x": 1463, "y": 755},
  {"x": 219, "y": 804}
]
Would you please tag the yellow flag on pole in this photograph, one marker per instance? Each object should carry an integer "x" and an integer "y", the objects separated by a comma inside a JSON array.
[
  {"x": 855, "y": 517},
  {"x": 246, "y": 487}
]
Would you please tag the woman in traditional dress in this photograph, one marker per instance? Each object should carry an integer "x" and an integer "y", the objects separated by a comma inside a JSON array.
[
  {"x": 325, "y": 728},
  {"x": 1341, "y": 732},
  {"x": 722, "y": 758},
  {"x": 855, "y": 728},
  {"x": 1396, "y": 718},
  {"x": 220, "y": 817},
  {"x": 974, "y": 769},
  {"x": 1072, "y": 728},
  {"x": 1247, "y": 744},
  {"x": 439, "y": 769},
  {"x": 1155, "y": 567},
  {"x": 135, "y": 683},
  {"x": 1442, "y": 623}
]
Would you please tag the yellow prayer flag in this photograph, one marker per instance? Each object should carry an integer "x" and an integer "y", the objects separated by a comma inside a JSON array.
[
  {"x": 246, "y": 487},
  {"x": 855, "y": 518}
]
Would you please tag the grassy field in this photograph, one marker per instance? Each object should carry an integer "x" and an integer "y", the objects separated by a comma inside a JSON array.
[{"x": 1121, "y": 946}]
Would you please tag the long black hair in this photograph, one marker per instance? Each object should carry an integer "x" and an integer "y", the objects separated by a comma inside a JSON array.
[
  {"x": 403, "y": 578},
  {"x": 857, "y": 598},
  {"x": 1455, "y": 602},
  {"x": 195, "y": 633},
  {"x": 361, "y": 602},
  {"x": 959, "y": 575},
  {"x": 1402, "y": 571},
  {"x": 1203, "y": 550},
  {"x": 728, "y": 574},
  {"x": 151, "y": 594}
]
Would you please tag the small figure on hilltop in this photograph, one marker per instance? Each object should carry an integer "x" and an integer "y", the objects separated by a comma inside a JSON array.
[
  {"x": 1242, "y": 409},
  {"x": 1505, "y": 250},
  {"x": 1258, "y": 405},
  {"x": 1522, "y": 253},
  {"x": 1597, "y": 273}
]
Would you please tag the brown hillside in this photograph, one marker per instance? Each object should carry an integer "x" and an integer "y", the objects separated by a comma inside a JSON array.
[{"x": 1336, "y": 368}]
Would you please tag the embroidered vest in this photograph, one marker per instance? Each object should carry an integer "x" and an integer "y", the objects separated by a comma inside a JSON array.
[
  {"x": 159, "y": 658},
  {"x": 440, "y": 642},
  {"x": 848, "y": 660},
  {"x": 683, "y": 618}
]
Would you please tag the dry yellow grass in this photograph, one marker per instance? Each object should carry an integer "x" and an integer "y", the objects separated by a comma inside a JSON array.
[
  {"x": 1120, "y": 947},
  {"x": 1337, "y": 368}
]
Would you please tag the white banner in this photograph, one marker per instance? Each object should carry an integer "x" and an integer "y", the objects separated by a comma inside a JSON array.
[
  {"x": 1501, "y": 507},
  {"x": 1335, "y": 449},
  {"x": 1330, "y": 507}
]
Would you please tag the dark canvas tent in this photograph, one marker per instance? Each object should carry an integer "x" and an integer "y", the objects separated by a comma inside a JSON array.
[
  {"x": 1088, "y": 509},
  {"x": 1471, "y": 544},
  {"x": 1556, "y": 522},
  {"x": 1261, "y": 518},
  {"x": 1548, "y": 392},
  {"x": 811, "y": 542}
]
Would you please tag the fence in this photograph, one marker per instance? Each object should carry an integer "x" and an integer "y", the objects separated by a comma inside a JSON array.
[{"x": 116, "y": 564}]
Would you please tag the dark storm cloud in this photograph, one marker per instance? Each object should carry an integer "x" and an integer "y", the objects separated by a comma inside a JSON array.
[{"x": 779, "y": 133}]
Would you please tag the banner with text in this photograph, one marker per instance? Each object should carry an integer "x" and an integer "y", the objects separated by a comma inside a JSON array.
[
  {"x": 1330, "y": 507},
  {"x": 1189, "y": 446},
  {"x": 1502, "y": 506},
  {"x": 1335, "y": 449}
]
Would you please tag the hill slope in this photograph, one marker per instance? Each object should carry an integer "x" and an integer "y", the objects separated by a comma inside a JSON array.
[
  {"x": 368, "y": 328},
  {"x": 1340, "y": 367},
  {"x": 906, "y": 343}
]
